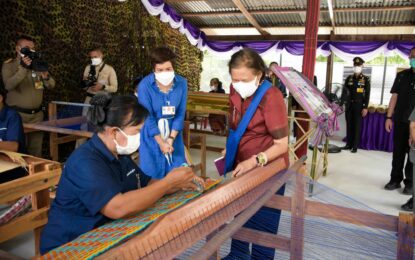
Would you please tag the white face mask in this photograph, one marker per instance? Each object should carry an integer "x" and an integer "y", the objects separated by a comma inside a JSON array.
[
  {"x": 165, "y": 77},
  {"x": 96, "y": 61},
  {"x": 133, "y": 142},
  {"x": 245, "y": 89},
  {"x": 357, "y": 69},
  {"x": 213, "y": 88}
]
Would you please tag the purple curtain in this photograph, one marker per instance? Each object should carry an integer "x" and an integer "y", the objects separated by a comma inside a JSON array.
[
  {"x": 404, "y": 47},
  {"x": 357, "y": 47},
  {"x": 373, "y": 135}
]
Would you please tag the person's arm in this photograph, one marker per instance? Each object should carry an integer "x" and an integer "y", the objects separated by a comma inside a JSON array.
[
  {"x": 367, "y": 97},
  {"x": 14, "y": 134},
  {"x": 126, "y": 204},
  {"x": 48, "y": 80},
  {"x": 144, "y": 99},
  {"x": 412, "y": 131},
  {"x": 11, "y": 78},
  {"x": 178, "y": 120},
  {"x": 276, "y": 122},
  {"x": 112, "y": 82},
  {"x": 12, "y": 146},
  {"x": 367, "y": 94},
  {"x": 389, "y": 114}
]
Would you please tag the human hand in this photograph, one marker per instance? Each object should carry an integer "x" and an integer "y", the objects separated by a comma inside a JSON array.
[
  {"x": 44, "y": 74},
  {"x": 388, "y": 125},
  {"x": 224, "y": 152},
  {"x": 200, "y": 182},
  {"x": 170, "y": 141},
  {"x": 97, "y": 87},
  {"x": 180, "y": 178},
  {"x": 364, "y": 112},
  {"x": 26, "y": 60},
  {"x": 165, "y": 147},
  {"x": 244, "y": 167}
]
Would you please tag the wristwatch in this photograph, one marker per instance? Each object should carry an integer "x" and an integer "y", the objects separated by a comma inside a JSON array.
[
  {"x": 261, "y": 159},
  {"x": 388, "y": 117}
]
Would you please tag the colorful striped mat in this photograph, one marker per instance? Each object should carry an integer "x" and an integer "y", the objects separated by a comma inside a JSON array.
[{"x": 99, "y": 240}]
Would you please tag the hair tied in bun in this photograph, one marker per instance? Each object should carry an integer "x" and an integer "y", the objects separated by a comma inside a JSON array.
[{"x": 96, "y": 113}]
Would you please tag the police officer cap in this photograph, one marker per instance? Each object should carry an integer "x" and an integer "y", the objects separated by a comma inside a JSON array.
[{"x": 357, "y": 61}]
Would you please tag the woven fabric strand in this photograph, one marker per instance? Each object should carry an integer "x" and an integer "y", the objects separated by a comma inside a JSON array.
[{"x": 99, "y": 240}]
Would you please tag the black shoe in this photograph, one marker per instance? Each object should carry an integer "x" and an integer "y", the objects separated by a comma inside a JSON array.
[
  {"x": 354, "y": 150},
  {"x": 347, "y": 147},
  {"x": 392, "y": 185},
  {"x": 407, "y": 190},
  {"x": 409, "y": 205}
]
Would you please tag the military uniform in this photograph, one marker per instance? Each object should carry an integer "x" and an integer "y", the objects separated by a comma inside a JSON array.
[
  {"x": 358, "y": 88},
  {"x": 25, "y": 95}
]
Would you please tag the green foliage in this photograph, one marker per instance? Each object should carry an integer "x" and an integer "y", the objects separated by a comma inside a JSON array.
[{"x": 66, "y": 30}]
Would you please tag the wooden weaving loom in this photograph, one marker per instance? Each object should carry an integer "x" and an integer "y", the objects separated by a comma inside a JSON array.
[{"x": 173, "y": 233}]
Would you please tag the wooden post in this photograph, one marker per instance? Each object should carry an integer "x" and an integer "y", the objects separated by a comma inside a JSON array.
[
  {"x": 405, "y": 236},
  {"x": 309, "y": 59},
  {"x": 326, "y": 155},
  {"x": 329, "y": 70},
  {"x": 203, "y": 155},
  {"x": 297, "y": 219},
  {"x": 53, "y": 137}
]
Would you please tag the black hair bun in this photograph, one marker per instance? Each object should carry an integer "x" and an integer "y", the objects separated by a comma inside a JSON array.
[{"x": 99, "y": 104}]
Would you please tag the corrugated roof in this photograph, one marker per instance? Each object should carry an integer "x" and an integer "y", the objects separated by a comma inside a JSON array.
[{"x": 292, "y": 12}]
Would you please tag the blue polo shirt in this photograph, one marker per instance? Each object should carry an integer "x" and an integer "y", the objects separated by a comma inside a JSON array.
[
  {"x": 92, "y": 176},
  {"x": 11, "y": 128}
]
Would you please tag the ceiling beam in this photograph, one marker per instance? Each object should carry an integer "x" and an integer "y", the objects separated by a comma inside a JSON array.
[
  {"x": 331, "y": 14},
  {"x": 296, "y": 11},
  {"x": 249, "y": 17},
  {"x": 302, "y": 25},
  {"x": 337, "y": 37}
]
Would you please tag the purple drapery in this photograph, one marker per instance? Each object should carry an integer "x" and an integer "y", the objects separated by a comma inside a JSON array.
[
  {"x": 373, "y": 135},
  {"x": 404, "y": 47},
  {"x": 292, "y": 47},
  {"x": 357, "y": 48}
]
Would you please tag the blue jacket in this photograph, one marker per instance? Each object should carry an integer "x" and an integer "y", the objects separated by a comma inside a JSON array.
[{"x": 152, "y": 160}]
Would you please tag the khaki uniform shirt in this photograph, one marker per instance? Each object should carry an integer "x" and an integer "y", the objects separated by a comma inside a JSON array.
[
  {"x": 106, "y": 77},
  {"x": 20, "y": 84}
]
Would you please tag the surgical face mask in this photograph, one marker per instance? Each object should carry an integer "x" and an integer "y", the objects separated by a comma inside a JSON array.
[
  {"x": 213, "y": 88},
  {"x": 165, "y": 77},
  {"x": 133, "y": 143},
  {"x": 96, "y": 61},
  {"x": 357, "y": 69},
  {"x": 412, "y": 62},
  {"x": 245, "y": 89}
]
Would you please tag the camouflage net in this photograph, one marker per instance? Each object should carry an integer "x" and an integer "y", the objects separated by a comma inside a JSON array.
[{"x": 66, "y": 30}]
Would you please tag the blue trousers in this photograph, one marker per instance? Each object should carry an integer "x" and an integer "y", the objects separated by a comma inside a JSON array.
[{"x": 266, "y": 220}]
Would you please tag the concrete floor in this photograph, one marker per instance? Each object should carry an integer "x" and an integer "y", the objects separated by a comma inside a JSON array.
[{"x": 360, "y": 176}]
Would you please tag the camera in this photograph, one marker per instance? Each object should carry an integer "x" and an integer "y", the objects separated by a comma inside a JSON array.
[
  {"x": 89, "y": 82},
  {"x": 37, "y": 63}
]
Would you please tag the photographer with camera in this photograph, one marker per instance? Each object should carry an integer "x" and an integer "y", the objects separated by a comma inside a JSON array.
[
  {"x": 98, "y": 77},
  {"x": 25, "y": 77}
]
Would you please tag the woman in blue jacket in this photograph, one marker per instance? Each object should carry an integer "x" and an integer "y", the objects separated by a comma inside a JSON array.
[{"x": 164, "y": 94}]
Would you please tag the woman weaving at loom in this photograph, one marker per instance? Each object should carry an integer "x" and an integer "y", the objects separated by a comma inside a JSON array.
[
  {"x": 258, "y": 134},
  {"x": 100, "y": 181},
  {"x": 164, "y": 94}
]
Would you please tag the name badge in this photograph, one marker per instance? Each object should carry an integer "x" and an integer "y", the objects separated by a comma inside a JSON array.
[
  {"x": 360, "y": 90},
  {"x": 168, "y": 110}
]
